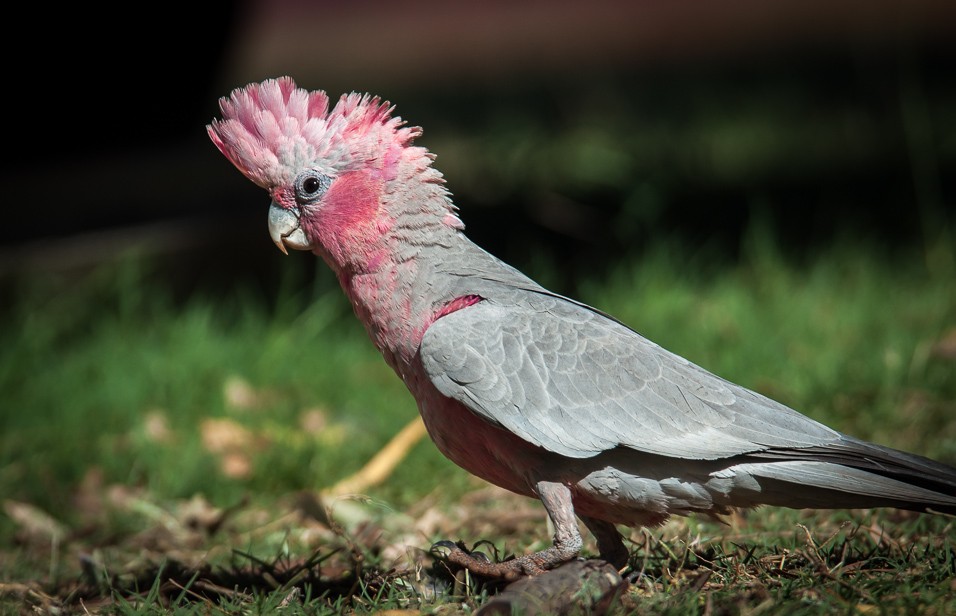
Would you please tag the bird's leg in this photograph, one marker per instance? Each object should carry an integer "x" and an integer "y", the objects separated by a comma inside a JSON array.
[
  {"x": 556, "y": 498},
  {"x": 609, "y": 541}
]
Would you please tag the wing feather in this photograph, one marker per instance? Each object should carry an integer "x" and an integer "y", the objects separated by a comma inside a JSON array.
[{"x": 574, "y": 381}]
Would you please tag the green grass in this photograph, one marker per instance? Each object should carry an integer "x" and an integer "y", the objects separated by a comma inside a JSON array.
[
  {"x": 108, "y": 386},
  {"x": 83, "y": 369}
]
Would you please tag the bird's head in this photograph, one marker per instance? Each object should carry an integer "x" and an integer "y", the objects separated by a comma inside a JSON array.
[{"x": 326, "y": 170}]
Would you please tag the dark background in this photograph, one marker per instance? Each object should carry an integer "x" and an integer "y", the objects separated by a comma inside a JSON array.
[{"x": 577, "y": 133}]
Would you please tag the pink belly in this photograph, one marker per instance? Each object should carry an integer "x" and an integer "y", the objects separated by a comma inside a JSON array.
[
  {"x": 481, "y": 448},
  {"x": 498, "y": 456}
]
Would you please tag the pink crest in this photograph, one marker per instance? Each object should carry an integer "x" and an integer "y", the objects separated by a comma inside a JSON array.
[{"x": 272, "y": 130}]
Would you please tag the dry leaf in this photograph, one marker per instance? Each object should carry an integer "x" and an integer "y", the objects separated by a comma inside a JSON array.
[
  {"x": 156, "y": 426},
  {"x": 34, "y": 521},
  {"x": 313, "y": 421},
  {"x": 240, "y": 395},
  {"x": 199, "y": 513},
  {"x": 222, "y": 435},
  {"x": 236, "y": 465}
]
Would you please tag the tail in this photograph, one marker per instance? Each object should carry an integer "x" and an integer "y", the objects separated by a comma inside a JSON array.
[{"x": 849, "y": 474}]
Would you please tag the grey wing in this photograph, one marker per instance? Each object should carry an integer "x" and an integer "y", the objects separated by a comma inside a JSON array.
[{"x": 576, "y": 382}]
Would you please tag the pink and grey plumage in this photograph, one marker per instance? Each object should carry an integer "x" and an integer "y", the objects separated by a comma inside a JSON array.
[{"x": 532, "y": 391}]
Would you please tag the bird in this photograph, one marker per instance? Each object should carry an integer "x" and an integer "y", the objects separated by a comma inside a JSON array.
[{"x": 525, "y": 388}]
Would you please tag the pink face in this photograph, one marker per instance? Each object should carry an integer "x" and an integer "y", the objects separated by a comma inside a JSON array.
[{"x": 324, "y": 170}]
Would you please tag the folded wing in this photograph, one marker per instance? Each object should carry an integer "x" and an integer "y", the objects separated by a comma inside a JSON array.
[{"x": 576, "y": 382}]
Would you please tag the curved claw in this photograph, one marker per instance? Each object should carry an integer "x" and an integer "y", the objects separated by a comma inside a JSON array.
[{"x": 445, "y": 549}]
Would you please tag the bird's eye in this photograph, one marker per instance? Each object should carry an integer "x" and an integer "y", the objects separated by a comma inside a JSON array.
[{"x": 310, "y": 185}]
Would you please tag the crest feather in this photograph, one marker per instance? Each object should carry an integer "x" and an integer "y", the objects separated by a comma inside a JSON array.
[{"x": 272, "y": 130}]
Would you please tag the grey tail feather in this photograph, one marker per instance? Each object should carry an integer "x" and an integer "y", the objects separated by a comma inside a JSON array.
[{"x": 886, "y": 462}]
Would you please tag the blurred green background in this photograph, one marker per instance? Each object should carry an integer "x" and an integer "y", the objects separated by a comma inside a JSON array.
[{"x": 766, "y": 189}]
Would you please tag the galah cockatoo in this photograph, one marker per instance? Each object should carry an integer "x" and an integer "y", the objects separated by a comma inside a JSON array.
[{"x": 527, "y": 389}]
